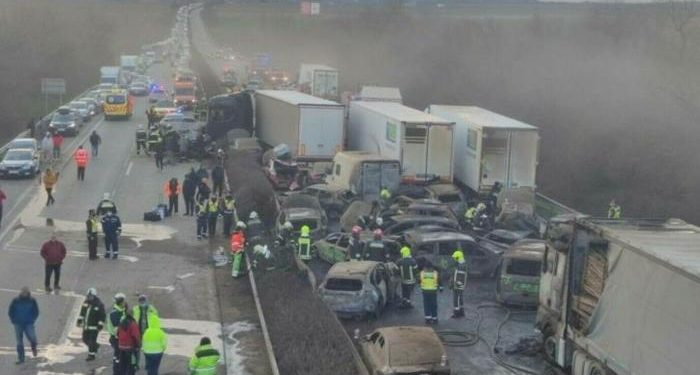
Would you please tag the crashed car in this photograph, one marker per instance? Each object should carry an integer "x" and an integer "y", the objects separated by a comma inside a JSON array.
[
  {"x": 397, "y": 225},
  {"x": 450, "y": 195},
  {"x": 518, "y": 281},
  {"x": 303, "y": 210},
  {"x": 333, "y": 199},
  {"x": 437, "y": 248},
  {"x": 289, "y": 175},
  {"x": 334, "y": 247},
  {"x": 430, "y": 209},
  {"x": 404, "y": 351},
  {"x": 360, "y": 289},
  {"x": 506, "y": 237}
]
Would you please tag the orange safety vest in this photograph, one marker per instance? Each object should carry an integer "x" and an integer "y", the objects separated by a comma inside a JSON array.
[
  {"x": 237, "y": 242},
  {"x": 168, "y": 193},
  {"x": 81, "y": 157}
]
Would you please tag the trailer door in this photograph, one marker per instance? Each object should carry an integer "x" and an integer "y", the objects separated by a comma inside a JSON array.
[
  {"x": 440, "y": 151},
  {"x": 321, "y": 131},
  {"x": 325, "y": 84},
  {"x": 523, "y": 158},
  {"x": 414, "y": 152},
  {"x": 495, "y": 160},
  {"x": 371, "y": 181}
]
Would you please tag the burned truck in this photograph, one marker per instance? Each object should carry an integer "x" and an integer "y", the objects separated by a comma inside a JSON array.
[{"x": 229, "y": 112}]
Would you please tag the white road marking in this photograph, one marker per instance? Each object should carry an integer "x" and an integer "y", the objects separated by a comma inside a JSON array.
[
  {"x": 168, "y": 289},
  {"x": 128, "y": 169},
  {"x": 182, "y": 277}
]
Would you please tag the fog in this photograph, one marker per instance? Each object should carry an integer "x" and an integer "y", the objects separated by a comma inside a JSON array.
[{"x": 611, "y": 87}]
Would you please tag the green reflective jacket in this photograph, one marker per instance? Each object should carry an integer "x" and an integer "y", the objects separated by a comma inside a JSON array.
[
  {"x": 154, "y": 339},
  {"x": 204, "y": 360}
]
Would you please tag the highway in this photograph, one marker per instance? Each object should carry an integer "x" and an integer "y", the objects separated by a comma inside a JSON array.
[{"x": 163, "y": 260}]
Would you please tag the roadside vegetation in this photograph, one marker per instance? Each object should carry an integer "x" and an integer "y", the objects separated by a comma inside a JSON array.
[{"x": 614, "y": 88}]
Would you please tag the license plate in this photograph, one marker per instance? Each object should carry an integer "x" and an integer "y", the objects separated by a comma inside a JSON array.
[{"x": 14, "y": 172}]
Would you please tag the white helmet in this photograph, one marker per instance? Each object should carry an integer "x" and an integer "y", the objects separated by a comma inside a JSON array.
[
  {"x": 92, "y": 292},
  {"x": 119, "y": 298},
  {"x": 379, "y": 221},
  {"x": 287, "y": 225},
  {"x": 253, "y": 215},
  {"x": 240, "y": 224}
]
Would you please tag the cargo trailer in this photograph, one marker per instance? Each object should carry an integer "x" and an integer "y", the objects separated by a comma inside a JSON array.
[{"x": 319, "y": 80}]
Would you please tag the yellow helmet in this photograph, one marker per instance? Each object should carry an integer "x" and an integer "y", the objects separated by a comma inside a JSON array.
[
  {"x": 405, "y": 252},
  {"x": 458, "y": 255},
  {"x": 305, "y": 230}
]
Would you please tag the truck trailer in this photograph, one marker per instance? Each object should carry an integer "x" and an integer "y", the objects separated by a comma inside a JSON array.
[
  {"x": 381, "y": 94},
  {"x": 110, "y": 74},
  {"x": 621, "y": 297},
  {"x": 319, "y": 80},
  {"x": 129, "y": 62},
  {"x": 491, "y": 148},
  {"x": 364, "y": 174},
  {"x": 311, "y": 127},
  {"x": 420, "y": 141}
]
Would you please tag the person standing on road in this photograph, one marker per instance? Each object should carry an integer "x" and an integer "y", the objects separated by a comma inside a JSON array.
[
  {"x": 153, "y": 344},
  {"x": 81, "y": 161},
  {"x": 57, "y": 142},
  {"x": 304, "y": 252},
  {"x": 429, "y": 284},
  {"x": 31, "y": 127},
  {"x": 23, "y": 312},
  {"x": 202, "y": 218},
  {"x": 141, "y": 140},
  {"x": 142, "y": 313},
  {"x": 614, "y": 211},
  {"x": 112, "y": 229},
  {"x": 237, "y": 250},
  {"x": 91, "y": 320},
  {"x": 172, "y": 191},
  {"x": 2, "y": 199},
  {"x": 159, "y": 154},
  {"x": 213, "y": 212},
  {"x": 53, "y": 252},
  {"x": 230, "y": 214},
  {"x": 459, "y": 283},
  {"x": 49, "y": 178},
  {"x": 95, "y": 141},
  {"x": 189, "y": 188},
  {"x": 409, "y": 268},
  {"x": 129, "y": 341},
  {"x": 92, "y": 228},
  {"x": 254, "y": 227},
  {"x": 116, "y": 315},
  {"x": 375, "y": 248},
  {"x": 46, "y": 147},
  {"x": 203, "y": 190},
  {"x": 217, "y": 178},
  {"x": 205, "y": 358}
]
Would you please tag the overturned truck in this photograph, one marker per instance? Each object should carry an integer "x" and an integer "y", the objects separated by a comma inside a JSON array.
[{"x": 229, "y": 112}]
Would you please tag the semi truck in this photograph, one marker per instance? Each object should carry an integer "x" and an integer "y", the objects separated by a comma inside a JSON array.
[
  {"x": 319, "y": 80},
  {"x": 621, "y": 297},
  {"x": 129, "y": 63},
  {"x": 491, "y": 148},
  {"x": 420, "y": 141},
  {"x": 110, "y": 74},
  {"x": 228, "y": 112},
  {"x": 311, "y": 127}
]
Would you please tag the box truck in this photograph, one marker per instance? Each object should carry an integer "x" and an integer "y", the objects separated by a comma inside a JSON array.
[
  {"x": 319, "y": 80},
  {"x": 491, "y": 148},
  {"x": 311, "y": 127},
  {"x": 363, "y": 174},
  {"x": 621, "y": 297},
  {"x": 110, "y": 74},
  {"x": 129, "y": 62},
  {"x": 380, "y": 94},
  {"x": 421, "y": 142}
]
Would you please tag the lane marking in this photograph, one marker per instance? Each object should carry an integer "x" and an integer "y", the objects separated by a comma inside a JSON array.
[
  {"x": 182, "y": 277},
  {"x": 169, "y": 289},
  {"x": 128, "y": 169}
]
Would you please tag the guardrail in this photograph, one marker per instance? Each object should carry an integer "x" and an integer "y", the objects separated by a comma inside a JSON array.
[{"x": 546, "y": 207}]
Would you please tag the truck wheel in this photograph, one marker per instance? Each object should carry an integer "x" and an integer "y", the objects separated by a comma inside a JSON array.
[
  {"x": 550, "y": 349},
  {"x": 595, "y": 368}
]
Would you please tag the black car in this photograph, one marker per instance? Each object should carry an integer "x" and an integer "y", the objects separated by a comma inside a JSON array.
[{"x": 65, "y": 122}]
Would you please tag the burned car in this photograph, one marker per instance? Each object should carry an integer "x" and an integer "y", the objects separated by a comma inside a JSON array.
[
  {"x": 334, "y": 248},
  {"x": 404, "y": 351},
  {"x": 303, "y": 210},
  {"x": 397, "y": 225},
  {"x": 360, "y": 289},
  {"x": 334, "y": 200},
  {"x": 518, "y": 280}
]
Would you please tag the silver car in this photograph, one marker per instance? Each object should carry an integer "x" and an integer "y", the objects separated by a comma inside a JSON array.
[
  {"x": 19, "y": 162},
  {"x": 81, "y": 108}
]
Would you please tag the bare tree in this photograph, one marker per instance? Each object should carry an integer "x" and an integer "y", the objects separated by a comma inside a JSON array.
[{"x": 681, "y": 13}]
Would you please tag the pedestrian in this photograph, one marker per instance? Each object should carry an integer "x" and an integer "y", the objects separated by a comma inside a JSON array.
[
  {"x": 112, "y": 229},
  {"x": 213, "y": 212},
  {"x": 429, "y": 285},
  {"x": 459, "y": 283},
  {"x": 142, "y": 314},
  {"x": 53, "y": 252},
  {"x": 159, "y": 154},
  {"x": 217, "y": 179},
  {"x": 91, "y": 320},
  {"x": 95, "y": 141},
  {"x": 129, "y": 341},
  {"x": 31, "y": 127},
  {"x": 189, "y": 188},
  {"x": 46, "y": 147},
  {"x": 356, "y": 248},
  {"x": 304, "y": 249},
  {"x": 202, "y": 218},
  {"x": 172, "y": 191},
  {"x": 153, "y": 344},
  {"x": 230, "y": 214},
  {"x": 203, "y": 190},
  {"x": 81, "y": 161},
  {"x": 408, "y": 267},
  {"x": 57, "y": 142},
  {"x": 92, "y": 229},
  {"x": 614, "y": 211},
  {"x": 237, "y": 249},
  {"x": 116, "y": 315},
  {"x": 49, "y": 178},
  {"x": 2, "y": 199},
  {"x": 23, "y": 312},
  {"x": 141, "y": 140},
  {"x": 205, "y": 358}
]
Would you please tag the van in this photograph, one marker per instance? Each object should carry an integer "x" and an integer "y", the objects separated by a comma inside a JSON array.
[{"x": 519, "y": 274}]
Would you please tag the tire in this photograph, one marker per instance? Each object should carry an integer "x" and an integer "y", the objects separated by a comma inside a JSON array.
[{"x": 549, "y": 347}]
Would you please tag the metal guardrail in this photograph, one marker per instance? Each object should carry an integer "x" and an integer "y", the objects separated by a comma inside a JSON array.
[{"x": 546, "y": 207}]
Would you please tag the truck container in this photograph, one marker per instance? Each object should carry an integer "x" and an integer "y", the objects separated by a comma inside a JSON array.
[
  {"x": 364, "y": 174},
  {"x": 621, "y": 297},
  {"x": 311, "y": 127},
  {"x": 110, "y": 74},
  {"x": 129, "y": 62},
  {"x": 380, "y": 94},
  {"x": 491, "y": 148},
  {"x": 420, "y": 141},
  {"x": 319, "y": 80},
  {"x": 228, "y": 112}
]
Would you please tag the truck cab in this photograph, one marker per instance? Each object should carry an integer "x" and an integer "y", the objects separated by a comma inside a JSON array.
[{"x": 364, "y": 174}]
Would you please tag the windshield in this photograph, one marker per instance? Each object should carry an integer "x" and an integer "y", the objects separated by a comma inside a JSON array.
[
  {"x": 58, "y": 117},
  {"x": 450, "y": 198},
  {"x": 523, "y": 267},
  {"x": 18, "y": 155},
  {"x": 344, "y": 285},
  {"x": 313, "y": 224},
  {"x": 79, "y": 105},
  {"x": 23, "y": 144},
  {"x": 189, "y": 91},
  {"x": 116, "y": 99}
]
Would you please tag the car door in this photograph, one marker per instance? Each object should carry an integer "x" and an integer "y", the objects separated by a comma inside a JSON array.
[
  {"x": 377, "y": 278},
  {"x": 478, "y": 260},
  {"x": 326, "y": 247},
  {"x": 340, "y": 251}
]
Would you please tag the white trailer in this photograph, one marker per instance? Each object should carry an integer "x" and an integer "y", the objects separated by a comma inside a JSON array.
[
  {"x": 420, "y": 141},
  {"x": 129, "y": 62},
  {"x": 491, "y": 148},
  {"x": 312, "y": 127},
  {"x": 110, "y": 74},
  {"x": 319, "y": 80},
  {"x": 380, "y": 94}
]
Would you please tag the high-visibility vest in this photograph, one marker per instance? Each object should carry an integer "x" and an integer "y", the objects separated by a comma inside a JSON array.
[
  {"x": 93, "y": 225},
  {"x": 204, "y": 360},
  {"x": 470, "y": 214},
  {"x": 237, "y": 241},
  {"x": 81, "y": 157},
  {"x": 168, "y": 192},
  {"x": 304, "y": 247},
  {"x": 154, "y": 340},
  {"x": 459, "y": 277},
  {"x": 212, "y": 207},
  {"x": 385, "y": 194},
  {"x": 229, "y": 206},
  {"x": 614, "y": 212},
  {"x": 408, "y": 268},
  {"x": 429, "y": 280}
]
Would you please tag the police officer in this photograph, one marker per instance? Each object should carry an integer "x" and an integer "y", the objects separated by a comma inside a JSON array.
[
  {"x": 237, "y": 250},
  {"x": 116, "y": 315},
  {"x": 205, "y": 358},
  {"x": 614, "y": 211},
  {"x": 112, "y": 229},
  {"x": 304, "y": 244},
  {"x": 202, "y": 218},
  {"x": 356, "y": 248},
  {"x": 141, "y": 139},
  {"x": 409, "y": 269},
  {"x": 91, "y": 230},
  {"x": 254, "y": 227},
  {"x": 459, "y": 282},
  {"x": 91, "y": 320},
  {"x": 429, "y": 285},
  {"x": 213, "y": 212},
  {"x": 375, "y": 248},
  {"x": 230, "y": 214}
]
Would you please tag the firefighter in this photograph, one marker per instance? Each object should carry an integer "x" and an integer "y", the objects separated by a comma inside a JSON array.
[
  {"x": 91, "y": 320},
  {"x": 429, "y": 285},
  {"x": 151, "y": 115},
  {"x": 375, "y": 249},
  {"x": 470, "y": 215},
  {"x": 409, "y": 268},
  {"x": 92, "y": 229},
  {"x": 356, "y": 249},
  {"x": 230, "y": 214},
  {"x": 254, "y": 227},
  {"x": 459, "y": 282},
  {"x": 385, "y": 197},
  {"x": 285, "y": 235},
  {"x": 237, "y": 249},
  {"x": 261, "y": 257},
  {"x": 202, "y": 218},
  {"x": 154, "y": 142},
  {"x": 213, "y": 212},
  {"x": 304, "y": 244},
  {"x": 141, "y": 140},
  {"x": 614, "y": 211},
  {"x": 106, "y": 205}
]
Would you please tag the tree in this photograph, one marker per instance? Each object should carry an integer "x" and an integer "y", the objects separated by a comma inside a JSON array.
[{"x": 681, "y": 13}]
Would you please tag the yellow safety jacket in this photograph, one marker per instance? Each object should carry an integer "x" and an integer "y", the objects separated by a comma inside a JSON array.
[{"x": 429, "y": 280}]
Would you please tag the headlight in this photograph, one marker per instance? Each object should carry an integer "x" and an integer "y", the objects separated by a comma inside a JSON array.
[
  {"x": 71, "y": 125},
  {"x": 27, "y": 166}
]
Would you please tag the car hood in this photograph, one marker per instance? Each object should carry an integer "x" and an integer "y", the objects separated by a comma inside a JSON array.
[
  {"x": 16, "y": 163},
  {"x": 61, "y": 123}
]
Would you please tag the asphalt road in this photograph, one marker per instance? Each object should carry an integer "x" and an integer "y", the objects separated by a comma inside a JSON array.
[{"x": 163, "y": 260}]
